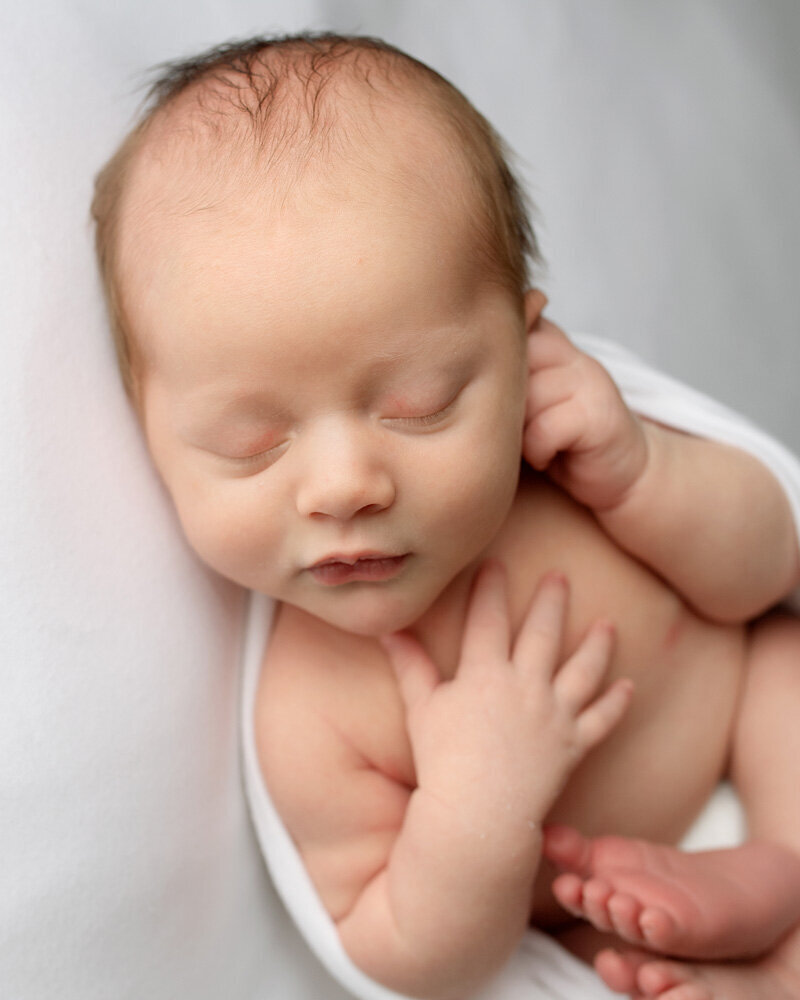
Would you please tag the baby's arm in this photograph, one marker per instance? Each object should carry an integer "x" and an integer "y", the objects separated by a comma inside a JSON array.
[
  {"x": 709, "y": 518},
  {"x": 492, "y": 749}
]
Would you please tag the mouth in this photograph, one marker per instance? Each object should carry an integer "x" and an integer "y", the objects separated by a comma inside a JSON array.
[{"x": 371, "y": 566}]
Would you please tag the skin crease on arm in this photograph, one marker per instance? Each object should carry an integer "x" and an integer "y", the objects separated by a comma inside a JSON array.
[
  {"x": 416, "y": 922},
  {"x": 694, "y": 496},
  {"x": 523, "y": 715}
]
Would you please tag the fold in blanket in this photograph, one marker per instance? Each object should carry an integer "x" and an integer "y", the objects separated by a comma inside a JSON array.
[{"x": 539, "y": 969}]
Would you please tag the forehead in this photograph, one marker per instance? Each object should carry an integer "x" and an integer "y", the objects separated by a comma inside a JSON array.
[
  {"x": 320, "y": 267},
  {"x": 193, "y": 215}
]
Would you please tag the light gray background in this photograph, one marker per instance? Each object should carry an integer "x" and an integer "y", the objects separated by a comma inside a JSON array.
[{"x": 661, "y": 143}]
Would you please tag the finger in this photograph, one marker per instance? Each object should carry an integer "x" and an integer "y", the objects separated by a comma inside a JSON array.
[
  {"x": 539, "y": 640},
  {"x": 604, "y": 714},
  {"x": 581, "y": 676},
  {"x": 549, "y": 345},
  {"x": 487, "y": 632},
  {"x": 558, "y": 428},
  {"x": 417, "y": 674},
  {"x": 549, "y": 387}
]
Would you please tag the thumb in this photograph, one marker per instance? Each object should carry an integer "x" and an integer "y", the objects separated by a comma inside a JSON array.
[{"x": 417, "y": 674}]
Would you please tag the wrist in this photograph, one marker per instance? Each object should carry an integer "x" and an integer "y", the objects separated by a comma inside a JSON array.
[
  {"x": 497, "y": 834},
  {"x": 637, "y": 469}
]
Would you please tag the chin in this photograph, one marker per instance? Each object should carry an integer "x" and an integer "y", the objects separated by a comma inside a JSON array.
[{"x": 376, "y": 615}]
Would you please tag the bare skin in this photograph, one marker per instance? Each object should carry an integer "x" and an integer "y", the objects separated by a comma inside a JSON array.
[
  {"x": 292, "y": 435},
  {"x": 746, "y": 899},
  {"x": 335, "y": 398},
  {"x": 642, "y": 976},
  {"x": 723, "y": 904}
]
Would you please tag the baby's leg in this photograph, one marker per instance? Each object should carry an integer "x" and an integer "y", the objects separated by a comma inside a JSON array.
[{"x": 719, "y": 904}]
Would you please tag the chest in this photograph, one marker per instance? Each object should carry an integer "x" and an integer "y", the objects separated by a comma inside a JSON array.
[{"x": 655, "y": 772}]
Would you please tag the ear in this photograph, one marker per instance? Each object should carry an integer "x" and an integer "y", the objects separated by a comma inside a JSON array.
[{"x": 535, "y": 302}]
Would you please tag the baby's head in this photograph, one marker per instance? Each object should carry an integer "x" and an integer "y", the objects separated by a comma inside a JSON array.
[{"x": 315, "y": 259}]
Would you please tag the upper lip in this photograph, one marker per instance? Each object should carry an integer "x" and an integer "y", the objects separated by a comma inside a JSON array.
[{"x": 351, "y": 558}]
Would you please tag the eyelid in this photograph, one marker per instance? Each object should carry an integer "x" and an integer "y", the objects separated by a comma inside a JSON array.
[
  {"x": 426, "y": 419},
  {"x": 248, "y": 460}
]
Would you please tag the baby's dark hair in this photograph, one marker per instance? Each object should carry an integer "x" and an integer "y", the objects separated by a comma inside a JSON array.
[{"x": 274, "y": 96}]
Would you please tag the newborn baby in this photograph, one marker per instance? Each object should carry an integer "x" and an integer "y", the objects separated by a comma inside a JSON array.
[{"x": 315, "y": 257}]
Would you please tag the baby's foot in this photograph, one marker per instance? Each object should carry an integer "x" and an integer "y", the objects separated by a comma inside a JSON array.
[
  {"x": 642, "y": 976},
  {"x": 723, "y": 904}
]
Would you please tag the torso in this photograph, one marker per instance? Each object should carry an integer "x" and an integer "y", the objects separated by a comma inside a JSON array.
[{"x": 650, "y": 779}]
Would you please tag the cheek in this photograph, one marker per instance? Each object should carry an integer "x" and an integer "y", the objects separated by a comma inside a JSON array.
[
  {"x": 472, "y": 482},
  {"x": 228, "y": 529}
]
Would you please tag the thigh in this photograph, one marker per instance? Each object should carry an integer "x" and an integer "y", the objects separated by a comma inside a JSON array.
[{"x": 765, "y": 755}]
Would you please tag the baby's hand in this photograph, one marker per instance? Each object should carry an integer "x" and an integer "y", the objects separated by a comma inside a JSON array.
[
  {"x": 497, "y": 742},
  {"x": 577, "y": 426}
]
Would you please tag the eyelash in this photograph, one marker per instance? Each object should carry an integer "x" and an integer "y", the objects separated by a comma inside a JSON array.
[
  {"x": 259, "y": 457},
  {"x": 428, "y": 418},
  {"x": 423, "y": 421}
]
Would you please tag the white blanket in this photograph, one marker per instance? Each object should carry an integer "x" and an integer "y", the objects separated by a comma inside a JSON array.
[{"x": 540, "y": 969}]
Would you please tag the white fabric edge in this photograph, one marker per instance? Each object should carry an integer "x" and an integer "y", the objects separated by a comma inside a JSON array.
[
  {"x": 539, "y": 969},
  {"x": 283, "y": 861}
]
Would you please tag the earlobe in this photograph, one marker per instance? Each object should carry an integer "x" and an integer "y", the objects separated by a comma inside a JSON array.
[{"x": 535, "y": 303}]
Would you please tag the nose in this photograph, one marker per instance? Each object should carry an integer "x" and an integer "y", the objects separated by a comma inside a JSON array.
[{"x": 343, "y": 475}]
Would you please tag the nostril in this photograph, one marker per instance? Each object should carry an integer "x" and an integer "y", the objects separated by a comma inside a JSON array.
[{"x": 346, "y": 492}]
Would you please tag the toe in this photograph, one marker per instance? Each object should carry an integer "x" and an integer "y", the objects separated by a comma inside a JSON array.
[
  {"x": 619, "y": 970},
  {"x": 567, "y": 848},
  {"x": 624, "y": 912},
  {"x": 596, "y": 894},
  {"x": 687, "y": 991},
  {"x": 655, "y": 978},
  {"x": 658, "y": 929},
  {"x": 568, "y": 890}
]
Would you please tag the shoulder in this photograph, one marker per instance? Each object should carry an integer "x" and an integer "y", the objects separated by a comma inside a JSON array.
[{"x": 321, "y": 684}]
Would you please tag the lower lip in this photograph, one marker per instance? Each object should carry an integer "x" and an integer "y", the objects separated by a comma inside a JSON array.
[{"x": 334, "y": 573}]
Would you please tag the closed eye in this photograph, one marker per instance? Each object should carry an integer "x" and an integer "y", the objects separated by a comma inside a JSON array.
[
  {"x": 425, "y": 419},
  {"x": 261, "y": 458}
]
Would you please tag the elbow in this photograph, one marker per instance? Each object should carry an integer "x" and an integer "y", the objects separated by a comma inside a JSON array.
[{"x": 427, "y": 969}]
